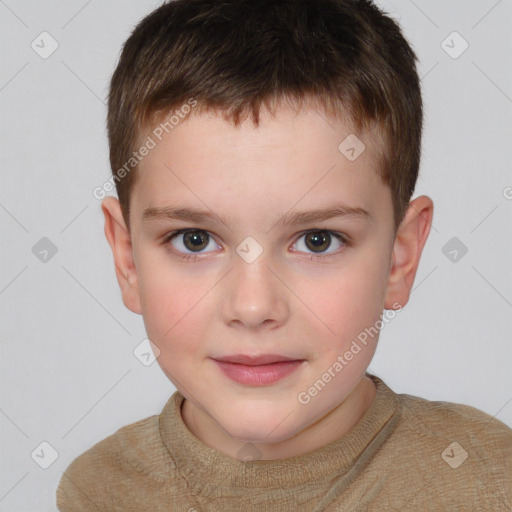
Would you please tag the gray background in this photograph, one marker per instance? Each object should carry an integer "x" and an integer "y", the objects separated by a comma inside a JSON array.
[{"x": 68, "y": 373}]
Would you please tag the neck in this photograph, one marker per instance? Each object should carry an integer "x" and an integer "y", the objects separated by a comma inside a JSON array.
[{"x": 329, "y": 428}]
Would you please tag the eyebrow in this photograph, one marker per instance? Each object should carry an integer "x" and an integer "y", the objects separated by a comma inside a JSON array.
[{"x": 293, "y": 218}]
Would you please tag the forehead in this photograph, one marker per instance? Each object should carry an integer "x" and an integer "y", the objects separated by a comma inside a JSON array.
[{"x": 293, "y": 158}]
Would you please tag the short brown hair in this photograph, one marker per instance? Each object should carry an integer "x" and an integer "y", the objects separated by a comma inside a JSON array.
[{"x": 233, "y": 56}]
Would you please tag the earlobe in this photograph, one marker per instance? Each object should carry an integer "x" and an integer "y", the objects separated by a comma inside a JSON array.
[
  {"x": 118, "y": 237},
  {"x": 410, "y": 239}
]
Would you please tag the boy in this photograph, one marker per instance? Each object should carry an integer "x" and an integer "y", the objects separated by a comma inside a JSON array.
[{"x": 265, "y": 154}]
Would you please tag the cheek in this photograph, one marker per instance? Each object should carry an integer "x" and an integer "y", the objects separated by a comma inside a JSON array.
[
  {"x": 172, "y": 308},
  {"x": 346, "y": 302}
]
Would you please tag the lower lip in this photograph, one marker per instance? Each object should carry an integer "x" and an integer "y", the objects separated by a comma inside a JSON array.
[{"x": 260, "y": 375}]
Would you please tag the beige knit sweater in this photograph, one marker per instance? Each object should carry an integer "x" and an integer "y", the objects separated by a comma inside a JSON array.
[{"x": 405, "y": 454}]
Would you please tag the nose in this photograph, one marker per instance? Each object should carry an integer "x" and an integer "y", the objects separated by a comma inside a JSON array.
[{"x": 255, "y": 298}]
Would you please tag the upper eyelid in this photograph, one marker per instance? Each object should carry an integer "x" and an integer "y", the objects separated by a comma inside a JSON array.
[{"x": 303, "y": 232}]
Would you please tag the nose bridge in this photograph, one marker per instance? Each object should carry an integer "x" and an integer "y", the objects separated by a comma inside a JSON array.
[{"x": 254, "y": 294}]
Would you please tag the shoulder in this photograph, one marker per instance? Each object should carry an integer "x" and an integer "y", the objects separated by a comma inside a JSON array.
[
  {"x": 112, "y": 467},
  {"x": 436, "y": 417},
  {"x": 464, "y": 451}
]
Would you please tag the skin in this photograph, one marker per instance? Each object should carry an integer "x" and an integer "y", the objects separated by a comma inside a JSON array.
[{"x": 285, "y": 302}]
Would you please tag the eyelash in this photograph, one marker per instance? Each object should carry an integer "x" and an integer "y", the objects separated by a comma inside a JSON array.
[{"x": 194, "y": 257}]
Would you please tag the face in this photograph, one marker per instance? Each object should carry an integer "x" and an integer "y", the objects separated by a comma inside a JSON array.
[{"x": 264, "y": 279}]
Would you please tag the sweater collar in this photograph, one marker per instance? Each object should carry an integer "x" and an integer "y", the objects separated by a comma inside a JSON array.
[{"x": 207, "y": 470}]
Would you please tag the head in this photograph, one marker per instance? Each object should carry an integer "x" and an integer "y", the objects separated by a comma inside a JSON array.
[{"x": 256, "y": 111}]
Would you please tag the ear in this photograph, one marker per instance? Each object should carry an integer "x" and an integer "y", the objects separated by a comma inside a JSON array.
[
  {"x": 407, "y": 248},
  {"x": 118, "y": 237}
]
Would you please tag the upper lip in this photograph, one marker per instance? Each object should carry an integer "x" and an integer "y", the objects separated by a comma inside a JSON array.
[{"x": 255, "y": 360}]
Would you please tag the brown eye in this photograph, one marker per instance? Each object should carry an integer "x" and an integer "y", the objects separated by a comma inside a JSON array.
[
  {"x": 195, "y": 240},
  {"x": 319, "y": 240},
  {"x": 188, "y": 242}
]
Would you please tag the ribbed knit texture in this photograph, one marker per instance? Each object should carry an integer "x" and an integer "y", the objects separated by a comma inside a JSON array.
[{"x": 399, "y": 456}]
